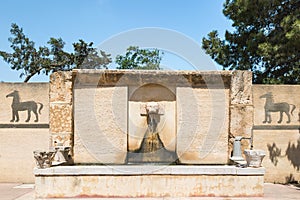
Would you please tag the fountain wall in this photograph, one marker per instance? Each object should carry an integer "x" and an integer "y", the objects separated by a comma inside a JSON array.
[{"x": 100, "y": 113}]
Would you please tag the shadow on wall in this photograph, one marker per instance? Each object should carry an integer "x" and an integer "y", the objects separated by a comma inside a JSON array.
[
  {"x": 290, "y": 179},
  {"x": 274, "y": 153},
  {"x": 293, "y": 154}
]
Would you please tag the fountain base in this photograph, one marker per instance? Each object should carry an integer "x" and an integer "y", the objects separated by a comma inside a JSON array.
[{"x": 131, "y": 181}]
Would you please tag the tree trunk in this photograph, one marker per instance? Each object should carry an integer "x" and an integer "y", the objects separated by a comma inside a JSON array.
[{"x": 29, "y": 77}]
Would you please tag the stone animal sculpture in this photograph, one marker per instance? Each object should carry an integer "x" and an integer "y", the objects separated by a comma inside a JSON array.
[
  {"x": 282, "y": 107},
  {"x": 17, "y": 105}
]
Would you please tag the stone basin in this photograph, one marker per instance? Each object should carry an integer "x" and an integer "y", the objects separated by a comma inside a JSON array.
[{"x": 112, "y": 181}]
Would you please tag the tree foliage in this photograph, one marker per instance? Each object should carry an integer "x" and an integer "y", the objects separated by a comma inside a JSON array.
[
  {"x": 33, "y": 60},
  {"x": 136, "y": 58},
  {"x": 265, "y": 40}
]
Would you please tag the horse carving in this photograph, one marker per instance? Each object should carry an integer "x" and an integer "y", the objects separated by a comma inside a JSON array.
[
  {"x": 30, "y": 106},
  {"x": 282, "y": 107}
]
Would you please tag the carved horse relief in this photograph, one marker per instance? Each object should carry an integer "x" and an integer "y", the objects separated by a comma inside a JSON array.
[
  {"x": 282, "y": 107},
  {"x": 30, "y": 106}
]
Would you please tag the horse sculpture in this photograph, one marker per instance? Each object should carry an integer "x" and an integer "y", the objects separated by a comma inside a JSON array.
[
  {"x": 22, "y": 106},
  {"x": 270, "y": 106}
]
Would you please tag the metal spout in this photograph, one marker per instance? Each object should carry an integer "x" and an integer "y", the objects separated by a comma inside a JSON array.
[{"x": 237, "y": 153}]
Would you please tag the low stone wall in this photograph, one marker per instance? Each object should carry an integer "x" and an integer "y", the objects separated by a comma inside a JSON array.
[{"x": 19, "y": 138}]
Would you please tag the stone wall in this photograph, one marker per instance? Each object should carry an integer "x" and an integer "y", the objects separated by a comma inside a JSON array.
[
  {"x": 280, "y": 140},
  {"x": 19, "y": 139},
  {"x": 244, "y": 116},
  {"x": 244, "y": 111},
  {"x": 100, "y": 110},
  {"x": 61, "y": 109}
]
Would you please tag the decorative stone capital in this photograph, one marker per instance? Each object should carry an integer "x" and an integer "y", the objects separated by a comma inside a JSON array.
[
  {"x": 62, "y": 155},
  {"x": 43, "y": 158},
  {"x": 254, "y": 157}
]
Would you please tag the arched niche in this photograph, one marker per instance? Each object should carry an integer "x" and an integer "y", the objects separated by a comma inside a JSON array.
[
  {"x": 152, "y": 92},
  {"x": 137, "y": 121}
]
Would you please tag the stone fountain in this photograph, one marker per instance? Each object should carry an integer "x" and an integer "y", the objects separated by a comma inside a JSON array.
[
  {"x": 151, "y": 149},
  {"x": 149, "y": 134}
]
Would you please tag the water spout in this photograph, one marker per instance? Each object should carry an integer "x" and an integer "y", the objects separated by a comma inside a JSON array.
[{"x": 152, "y": 149}]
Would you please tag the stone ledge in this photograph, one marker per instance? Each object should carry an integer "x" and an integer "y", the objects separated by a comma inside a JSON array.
[
  {"x": 147, "y": 170},
  {"x": 94, "y": 78}
]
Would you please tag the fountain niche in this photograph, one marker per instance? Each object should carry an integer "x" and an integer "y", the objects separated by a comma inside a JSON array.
[
  {"x": 148, "y": 134},
  {"x": 152, "y": 132}
]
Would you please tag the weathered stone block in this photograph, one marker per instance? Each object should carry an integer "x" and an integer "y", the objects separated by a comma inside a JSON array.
[
  {"x": 142, "y": 77},
  {"x": 61, "y": 87},
  {"x": 100, "y": 119},
  {"x": 202, "y": 125},
  {"x": 241, "y": 87},
  {"x": 61, "y": 118},
  {"x": 149, "y": 181},
  {"x": 241, "y": 122},
  {"x": 62, "y": 139}
]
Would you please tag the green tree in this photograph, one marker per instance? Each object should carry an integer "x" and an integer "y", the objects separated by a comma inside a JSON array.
[
  {"x": 265, "y": 40},
  {"x": 136, "y": 58},
  {"x": 31, "y": 60}
]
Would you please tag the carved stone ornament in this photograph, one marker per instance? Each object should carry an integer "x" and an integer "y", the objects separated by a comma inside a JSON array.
[
  {"x": 62, "y": 155},
  {"x": 43, "y": 158},
  {"x": 254, "y": 157}
]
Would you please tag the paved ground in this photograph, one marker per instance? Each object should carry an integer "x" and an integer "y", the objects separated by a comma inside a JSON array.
[{"x": 10, "y": 191}]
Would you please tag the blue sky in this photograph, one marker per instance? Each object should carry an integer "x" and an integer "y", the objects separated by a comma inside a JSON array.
[{"x": 98, "y": 20}]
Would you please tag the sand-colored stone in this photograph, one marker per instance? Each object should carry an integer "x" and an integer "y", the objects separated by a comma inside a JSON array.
[
  {"x": 89, "y": 82},
  {"x": 280, "y": 140},
  {"x": 62, "y": 139},
  {"x": 18, "y": 140},
  {"x": 202, "y": 125},
  {"x": 138, "y": 125},
  {"x": 241, "y": 88},
  {"x": 61, "y": 118},
  {"x": 241, "y": 122},
  {"x": 16, "y": 153},
  {"x": 164, "y": 181},
  {"x": 282, "y": 154},
  {"x": 37, "y": 92},
  {"x": 61, "y": 110},
  {"x": 61, "y": 87},
  {"x": 149, "y": 186},
  {"x": 281, "y": 93},
  {"x": 142, "y": 77},
  {"x": 100, "y": 125}
]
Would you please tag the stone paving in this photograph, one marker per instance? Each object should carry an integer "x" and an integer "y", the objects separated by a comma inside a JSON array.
[{"x": 15, "y": 191}]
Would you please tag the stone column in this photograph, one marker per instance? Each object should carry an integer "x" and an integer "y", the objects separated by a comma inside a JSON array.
[
  {"x": 241, "y": 108},
  {"x": 61, "y": 110}
]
